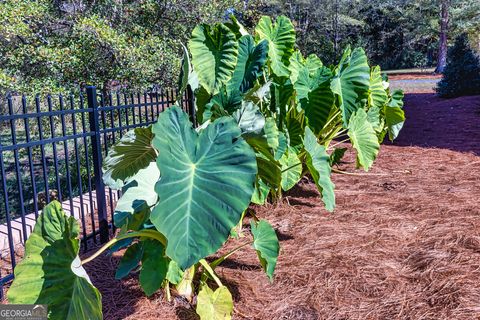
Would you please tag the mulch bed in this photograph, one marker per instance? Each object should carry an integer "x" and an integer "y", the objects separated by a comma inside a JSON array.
[{"x": 403, "y": 243}]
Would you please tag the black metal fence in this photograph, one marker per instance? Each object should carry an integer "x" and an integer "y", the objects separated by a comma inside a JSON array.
[{"x": 52, "y": 148}]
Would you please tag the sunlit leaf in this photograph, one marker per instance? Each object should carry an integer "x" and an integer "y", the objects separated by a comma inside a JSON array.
[
  {"x": 363, "y": 138},
  {"x": 265, "y": 242},
  {"x": 214, "y": 305},
  {"x": 214, "y": 55},
  {"x": 318, "y": 163},
  {"x": 207, "y": 181},
  {"x": 51, "y": 272},
  {"x": 281, "y": 41},
  {"x": 133, "y": 152}
]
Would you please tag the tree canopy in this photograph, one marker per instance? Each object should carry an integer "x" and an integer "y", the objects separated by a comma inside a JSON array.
[{"x": 53, "y": 46}]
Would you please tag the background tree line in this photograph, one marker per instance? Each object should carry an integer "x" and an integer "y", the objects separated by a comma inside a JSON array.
[{"x": 55, "y": 45}]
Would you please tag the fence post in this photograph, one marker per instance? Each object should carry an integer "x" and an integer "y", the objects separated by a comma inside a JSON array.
[
  {"x": 191, "y": 105},
  {"x": 97, "y": 163}
]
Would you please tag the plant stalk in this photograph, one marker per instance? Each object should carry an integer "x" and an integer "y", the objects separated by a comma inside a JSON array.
[
  {"x": 143, "y": 233},
  {"x": 207, "y": 267}
]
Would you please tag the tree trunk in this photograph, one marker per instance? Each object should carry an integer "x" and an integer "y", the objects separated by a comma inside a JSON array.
[
  {"x": 442, "y": 47},
  {"x": 335, "y": 30}
]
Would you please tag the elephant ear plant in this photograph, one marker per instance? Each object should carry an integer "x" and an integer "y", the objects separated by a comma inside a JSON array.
[
  {"x": 289, "y": 107},
  {"x": 267, "y": 117},
  {"x": 184, "y": 190}
]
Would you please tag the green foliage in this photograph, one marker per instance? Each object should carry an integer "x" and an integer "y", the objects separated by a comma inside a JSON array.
[
  {"x": 50, "y": 46},
  {"x": 214, "y": 305},
  {"x": 351, "y": 81},
  {"x": 213, "y": 49},
  {"x": 363, "y": 138},
  {"x": 51, "y": 272},
  {"x": 291, "y": 95},
  {"x": 318, "y": 163},
  {"x": 265, "y": 121},
  {"x": 265, "y": 242},
  {"x": 281, "y": 40},
  {"x": 462, "y": 73},
  {"x": 132, "y": 153},
  {"x": 215, "y": 186}
]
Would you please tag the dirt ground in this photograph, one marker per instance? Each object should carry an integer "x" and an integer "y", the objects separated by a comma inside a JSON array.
[{"x": 403, "y": 242}]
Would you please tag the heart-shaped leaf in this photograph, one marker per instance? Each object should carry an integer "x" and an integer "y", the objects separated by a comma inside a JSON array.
[
  {"x": 351, "y": 81},
  {"x": 291, "y": 169},
  {"x": 377, "y": 96},
  {"x": 265, "y": 242},
  {"x": 138, "y": 196},
  {"x": 130, "y": 260},
  {"x": 281, "y": 41},
  {"x": 318, "y": 163},
  {"x": 206, "y": 183},
  {"x": 249, "y": 118},
  {"x": 133, "y": 152},
  {"x": 51, "y": 272},
  {"x": 154, "y": 266},
  {"x": 214, "y": 55},
  {"x": 395, "y": 117},
  {"x": 315, "y": 96},
  {"x": 214, "y": 305},
  {"x": 251, "y": 60},
  {"x": 363, "y": 138}
]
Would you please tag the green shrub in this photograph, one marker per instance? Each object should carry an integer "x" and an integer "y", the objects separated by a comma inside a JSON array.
[{"x": 462, "y": 74}]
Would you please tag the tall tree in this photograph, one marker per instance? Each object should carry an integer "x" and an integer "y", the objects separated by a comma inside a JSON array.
[{"x": 442, "y": 46}]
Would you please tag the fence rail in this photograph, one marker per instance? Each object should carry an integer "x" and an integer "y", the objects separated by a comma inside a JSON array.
[{"x": 53, "y": 148}]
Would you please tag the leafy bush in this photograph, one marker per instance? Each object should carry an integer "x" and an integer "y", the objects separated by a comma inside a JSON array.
[
  {"x": 267, "y": 116},
  {"x": 462, "y": 73}
]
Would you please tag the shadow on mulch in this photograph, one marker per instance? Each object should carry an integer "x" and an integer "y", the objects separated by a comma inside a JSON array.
[{"x": 434, "y": 122}]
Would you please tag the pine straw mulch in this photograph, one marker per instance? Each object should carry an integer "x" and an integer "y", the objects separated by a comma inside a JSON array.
[{"x": 403, "y": 243}]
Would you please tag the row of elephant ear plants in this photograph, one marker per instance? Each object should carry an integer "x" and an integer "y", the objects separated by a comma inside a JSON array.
[{"x": 266, "y": 117}]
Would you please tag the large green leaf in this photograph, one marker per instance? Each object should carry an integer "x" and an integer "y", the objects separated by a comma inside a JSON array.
[
  {"x": 281, "y": 41},
  {"x": 297, "y": 63},
  {"x": 351, "y": 81},
  {"x": 376, "y": 120},
  {"x": 271, "y": 133},
  {"x": 318, "y": 163},
  {"x": 396, "y": 100},
  {"x": 377, "y": 96},
  {"x": 291, "y": 169},
  {"x": 315, "y": 96},
  {"x": 363, "y": 138},
  {"x": 394, "y": 114},
  {"x": 265, "y": 242},
  {"x": 269, "y": 171},
  {"x": 394, "y": 117},
  {"x": 214, "y": 305},
  {"x": 260, "y": 193},
  {"x": 154, "y": 266},
  {"x": 249, "y": 118},
  {"x": 251, "y": 60},
  {"x": 174, "y": 273},
  {"x": 206, "y": 183},
  {"x": 51, "y": 272},
  {"x": 130, "y": 260},
  {"x": 295, "y": 132},
  {"x": 313, "y": 63},
  {"x": 214, "y": 55},
  {"x": 132, "y": 153},
  {"x": 138, "y": 196}
]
